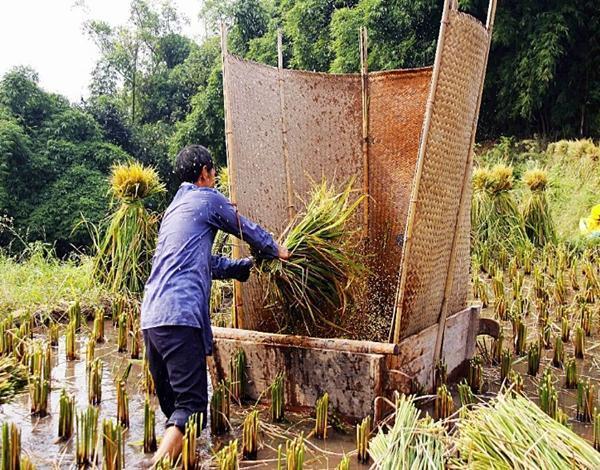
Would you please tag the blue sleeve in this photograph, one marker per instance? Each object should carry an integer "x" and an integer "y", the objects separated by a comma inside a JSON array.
[
  {"x": 224, "y": 216},
  {"x": 227, "y": 268}
]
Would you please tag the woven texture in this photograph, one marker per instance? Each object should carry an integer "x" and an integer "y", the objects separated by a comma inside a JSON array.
[
  {"x": 396, "y": 108},
  {"x": 446, "y": 152},
  {"x": 316, "y": 120},
  {"x": 323, "y": 130}
]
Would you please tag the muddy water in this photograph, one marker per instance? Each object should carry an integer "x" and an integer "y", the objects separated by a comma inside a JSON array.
[{"x": 39, "y": 435}]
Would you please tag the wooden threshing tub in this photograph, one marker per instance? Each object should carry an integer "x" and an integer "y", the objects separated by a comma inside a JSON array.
[{"x": 406, "y": 136}]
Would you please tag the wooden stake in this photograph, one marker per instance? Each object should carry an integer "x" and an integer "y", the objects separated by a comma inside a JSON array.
[
  {"x": 364, "y": 74},
  {"x": 284, "y": 142},
  {"x": 237, "y": 313}
]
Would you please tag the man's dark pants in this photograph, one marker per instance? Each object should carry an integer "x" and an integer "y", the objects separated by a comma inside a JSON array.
[{"x": 178, "y": 366}]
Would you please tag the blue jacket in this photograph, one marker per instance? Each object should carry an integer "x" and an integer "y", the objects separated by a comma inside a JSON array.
[{"x": 178, "y": 289}]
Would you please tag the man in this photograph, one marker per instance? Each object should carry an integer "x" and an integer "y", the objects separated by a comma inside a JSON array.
[{"x": 175, "y": 308}]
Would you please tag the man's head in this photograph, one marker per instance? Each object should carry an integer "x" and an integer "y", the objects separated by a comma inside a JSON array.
[{"x": 194, "y": 165}]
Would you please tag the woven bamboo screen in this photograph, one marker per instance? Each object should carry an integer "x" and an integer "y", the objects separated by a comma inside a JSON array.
[
  {"x": 286, "y": 128},
  {"x": 444, "y": 162}
]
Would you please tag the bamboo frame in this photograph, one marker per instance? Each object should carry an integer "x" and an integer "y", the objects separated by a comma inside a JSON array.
[
  {"x": 364, "y": 75},
  {"x": 237, "y": 314},
  {"x": 461, "y": 206},
  {"x": 286, "y": 158},
  {"x": 397, "y": 317}
]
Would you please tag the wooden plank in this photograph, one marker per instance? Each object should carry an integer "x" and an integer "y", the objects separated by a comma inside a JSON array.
[{"x": 416, "y": 352}]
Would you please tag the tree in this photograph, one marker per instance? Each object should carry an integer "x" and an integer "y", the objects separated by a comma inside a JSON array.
[{"x": 80, "y": 194}]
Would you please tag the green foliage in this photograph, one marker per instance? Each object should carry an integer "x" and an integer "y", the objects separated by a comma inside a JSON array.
[
  {"x": 20, "y": 93},
  {"x": 544, "y": 73},
  {"x": 205, "y": 123},
  {"x": 40, "y": 282},
  {"x": 402, "y": 34},
  {"x": 80, "y": 193}
]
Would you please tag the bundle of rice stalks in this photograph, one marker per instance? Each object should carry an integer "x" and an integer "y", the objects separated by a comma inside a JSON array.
[
  {"x": 13, "y": 378},
  {"x": 539, "y": 224},
  {"x": 512, "y": 432},
  {"x": 498, "y": 222},
  {"x": 481, "y": 200},
  {"x": 124, "y": 252},
  {"x": 322, "y": 275},
  {"x": 412, "y": 442}
]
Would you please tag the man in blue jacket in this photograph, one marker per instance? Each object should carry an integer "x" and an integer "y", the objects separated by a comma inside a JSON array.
[{"x": 176, "y": 305}]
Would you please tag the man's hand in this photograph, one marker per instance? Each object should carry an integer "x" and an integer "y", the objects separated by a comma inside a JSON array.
[
  {"x": 283, "y": 254},
  {"x": 245, "y": 266}
]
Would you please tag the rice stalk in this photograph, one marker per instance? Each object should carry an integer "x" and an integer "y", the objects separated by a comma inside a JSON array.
[
  {"x": 505, "y": 364},
  {"x": 579, "y": 342},
  {"x": 363, "y": 431},
  {"x": 571, "y": 378},
  {"x": 219, "y": 409},
  {"x": 53, "y": 334},
  {"x": 66, "y": 412},
  {"x": 13, "y": 378},
  {"x": 113, "y": 445},
  {"x": 322, "y": 412},
  {"x": 122, "y": 404},
  {"x": 11, "y": 446},
  {"x": 465, "y": 394},
  {"x": 558, "y": 357},
  {"x": 227, "y": 457},
  {"x": 237, "y": 374},
  {"x": 411, "y": 443},
  {"x": 440, "y": 374},
  {"x": 539, "y": 225},
  {"x": 475, "y": 374},
  {"x": 510, "y": 432},
  {"x": 188, "y": 452},
  {"x": 70, "y": 341},
  {"x": 95, "y": 382},
  {"x": 136, "y": 339},
  {"x": 250, "y": 430},
  {"x": 586, "y": 401},
  {"x": 521, "y": 339},
  {"x": 322, "y": 277},
  {"x": 87, "y": 436},
  {"x": 444, "y": 404},
  {"x": 122, "y": 333},
  {"x": 277, "y": 406},
  {"x": 294, "y": 452},
  {"x": 124, "y": 250},
  {"x": 344, "y": 464},
  {"x": 98, "y": 331},
  {"x": 533, "y": 359},
  {"x": 149, "y": 427}
]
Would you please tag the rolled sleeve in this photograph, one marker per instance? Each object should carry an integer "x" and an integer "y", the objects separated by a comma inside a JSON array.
[
  {"x": 227, "y": 268},
  {"x": 225, "y": 217}
]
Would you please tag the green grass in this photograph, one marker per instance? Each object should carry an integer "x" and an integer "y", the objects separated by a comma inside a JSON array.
[{"x": 41, "y": 283}]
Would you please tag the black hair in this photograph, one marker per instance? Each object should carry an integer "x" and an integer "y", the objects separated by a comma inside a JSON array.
[{"x": 190, "y": 161}]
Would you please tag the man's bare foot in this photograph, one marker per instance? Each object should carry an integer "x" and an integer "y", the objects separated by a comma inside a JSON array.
[{"x": 170, "y": 444}]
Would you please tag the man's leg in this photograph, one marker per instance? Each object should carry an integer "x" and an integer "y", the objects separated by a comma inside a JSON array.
[
  {"x": 160, "y": 375},
  {"x": 182, "y": 352}
]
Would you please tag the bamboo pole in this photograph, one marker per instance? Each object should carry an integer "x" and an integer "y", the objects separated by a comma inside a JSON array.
[
  {"x": 406, "y": 250},
  {"x": 364, "y": 74},
  {"x": 284, "y": 130},
  {"x": 237, "y": 314},
  {"x": 332, "y": 344},
  {"x": 462, "y": 203}
]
